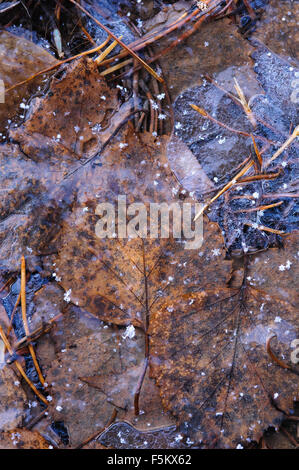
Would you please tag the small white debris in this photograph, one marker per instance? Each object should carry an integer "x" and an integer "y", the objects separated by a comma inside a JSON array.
[
  {"x": 256, "y": 195},
  {"x": 66, "y": 296},
  {"x": 49, "y": 398},
  {"x": 161, "y": 96},
  {"x": 239, "y": 446},
  {"x": 122, "y": 145},
  {"x": 162, "y": 116},
  {"x": 129, "y": 332},
  {"x": 277, "y": 320},
  {"x": 178, "y": 125},
  {"x": 59, "y": 408},
  {"x": 276, "y": 395}
]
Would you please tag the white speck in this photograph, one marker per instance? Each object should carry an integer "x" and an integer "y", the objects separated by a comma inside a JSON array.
[
  {"x": 215, "y": 252},
  {"x": 67, "y": 295},
  {"x": 239, "y": 446},
  {"x": 122, "y": 145},
  {"x": 76, "y": 129},
  {"x": 256, "y": 195},
  {"x": 103, "y": 97},
  {"x": 162, "y": 116},
  {"x": 49, "y": 398},
  {"x": 276, "y": 395},
  {"x": 206, "y": 43},
  {"x": 129, "y": 332},
  {"x": 161, "y": 96},
  {"x": 221, "y": 140},
  {"x": 288, "y": 264},
  {"x": 178, "y": 125},
  {"x": 277, "y": 320},
  {"x": 281, "y": 267}
]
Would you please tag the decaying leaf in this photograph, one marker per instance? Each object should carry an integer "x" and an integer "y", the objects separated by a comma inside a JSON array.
[
  {"x": 119, "y": 279},
  {"x": 279, "y": 31},
  {"x": 22, "y": 439},
  {"x": 20, "y": 59},
  {"x": 70, "y": 121},
  {"x": 212, "y": 366},
  {"x": 12, "y": 400},
  {"x": 276, "y": 271},
  {"x": 205, "y": 342}
]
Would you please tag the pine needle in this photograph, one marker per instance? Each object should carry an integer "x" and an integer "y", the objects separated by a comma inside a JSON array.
[
  {"x": 225, "y": 188},
  {"x": 284, "y": 146},
  {"x": 244, "y": 104},
  {"x": 124, "y": 46},
  {"x": 25, "y": 322},
  {"x": 20, "y": 368},
  {"x": 102, "y": 56}
]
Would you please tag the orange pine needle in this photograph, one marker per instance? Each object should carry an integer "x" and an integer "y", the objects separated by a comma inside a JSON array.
[
  {"x": 265, "y": 229},
  {"x": 24, "y": 317},
  {"x": 231, "y": 129},
  {"x": 123, "y": 45},
  {"x": 20, "y": 368},
  {"x": 225, "y": 188},
  {"x": 257, "y": 152}
]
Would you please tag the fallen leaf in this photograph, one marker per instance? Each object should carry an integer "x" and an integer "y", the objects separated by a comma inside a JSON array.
[
  {"x": 20, "y": 59},
  {"x": 12, "y": 400},
  {"x": 212, "y": 366},
  {"x": 22, "y": 439},
  {"x": 81, "y": 106},
  {"x": 278, "y": 28}
]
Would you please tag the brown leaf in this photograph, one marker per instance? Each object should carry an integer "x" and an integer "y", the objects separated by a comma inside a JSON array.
[
  {"x": 212, "y": 366},
  {"x": 22, "y": 439},
  {"x": 70, "y": 121},
  {"x": 12, "y": 400},
  {"x": 119, "y": 280},
  {"x": 20, "y": 59},
  {"x": 120, "y": 390}
]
